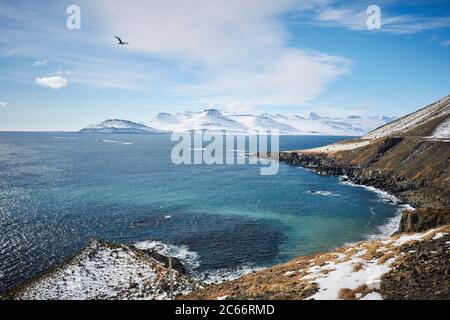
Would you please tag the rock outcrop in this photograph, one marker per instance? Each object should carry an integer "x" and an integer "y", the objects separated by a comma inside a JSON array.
[
  {"x": 423, "y": 219},
  {"x": 422, "y": 273}
]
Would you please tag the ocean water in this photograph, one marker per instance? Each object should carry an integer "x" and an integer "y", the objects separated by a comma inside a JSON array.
[{"x": 59, "y": 190}]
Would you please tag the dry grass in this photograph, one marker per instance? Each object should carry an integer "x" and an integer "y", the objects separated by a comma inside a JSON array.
[
  {"x": 347, "y": 294},
  {"x": 387, "y": 256},
  {"x": 324, "y": 259},
  {"x": 372, "y": 250},
  {"x": 327, "y": 271},
  {"x": 357, "y": 267}
]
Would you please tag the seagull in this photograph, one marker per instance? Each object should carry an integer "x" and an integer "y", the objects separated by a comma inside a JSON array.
[{"x": 121, "y": 43}]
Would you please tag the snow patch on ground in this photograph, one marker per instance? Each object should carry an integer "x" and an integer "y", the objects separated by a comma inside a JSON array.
[
  {"x": 442, "y": 131},
  {"x": 339, "y": 147},
  {"x": 103, "y": 271},
  {"x": 406, "y": 123},
  {"x": 358, "y": 268}
]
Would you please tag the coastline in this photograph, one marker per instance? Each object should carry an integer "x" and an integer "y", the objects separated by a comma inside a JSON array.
[
  {"x": 365, "y": 262},
  {"x": 391, "y": 226},
  {"x": 190, "y": 260}
]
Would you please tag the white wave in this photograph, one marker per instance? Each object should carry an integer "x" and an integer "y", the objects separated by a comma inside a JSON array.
[
  {"x": 324, "y": 193},
  {"x": 114, "y": 141},
  {"x": 108, "y": 141},
  {"x": 392, "y": 224},
  {"x": 189, "y": 259}
]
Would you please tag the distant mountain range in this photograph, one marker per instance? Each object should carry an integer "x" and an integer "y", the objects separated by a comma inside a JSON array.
[
  {"x": 119, "y": 126},
  {"x": 215, "y": 120}
]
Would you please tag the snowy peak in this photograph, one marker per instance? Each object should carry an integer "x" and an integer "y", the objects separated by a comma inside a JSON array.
[
  {"x": 166, "y": 117},
  {"x": 216, "y": 121},
  {"x": 314, "y": 116},
  {"x": 119, "y": 126},
  {"x": 213, "y": 116},
  {"x": 314, "y": 124},
  {"x": 431, "y": 121},
  {"x": 263, "y": 123}
]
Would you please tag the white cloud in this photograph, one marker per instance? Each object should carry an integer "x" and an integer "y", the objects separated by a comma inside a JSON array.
[
  {"x": 446, "y": 43},
  {"x": 54, "y": 82},
  {"x": 62, "y": 73},
  {"x": 233, "y": 49},
  {"x": 294, "y": 78},
  {"x": 40, "y": 63},
  {"x": 354, "y": 17},
  {"x": 239, "y": 107},
  {"x": 3, "y": 104},
  {"x": 199, "y": 30}
]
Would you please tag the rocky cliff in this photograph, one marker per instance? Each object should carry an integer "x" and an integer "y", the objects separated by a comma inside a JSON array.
[
  {"x": 409, "y": 157},
  {"x": 416, "y": 171}
]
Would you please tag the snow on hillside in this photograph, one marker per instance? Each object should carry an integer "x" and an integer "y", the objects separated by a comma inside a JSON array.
[
  {"x": 164, "y": 119},
  {"x": 357, "y": 269},
  {"x": 314, "y": 124},
  {"x": 436, "y": 110},
  {"x": 211, "y": 120},
  {"x": 442, "y": 131},
  {"x": 119, "y": 126},
  {"x": 103, "y": 271},
  {"x": 263, "y": 123}
]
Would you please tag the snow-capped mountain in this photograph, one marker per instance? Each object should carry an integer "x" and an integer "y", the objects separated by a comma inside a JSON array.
[
  {"x": 164, "y": 119},
  {"x": 314, "y": 124},
  {"x": 119, "y": 126},
  {"x": 263, "y": 123},
  {"x": 212, "y": 120},
  {"x": 215, "y": 120}
]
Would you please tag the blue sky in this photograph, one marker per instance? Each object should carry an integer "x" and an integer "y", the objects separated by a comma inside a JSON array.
[{"x": 278, "y": 56}]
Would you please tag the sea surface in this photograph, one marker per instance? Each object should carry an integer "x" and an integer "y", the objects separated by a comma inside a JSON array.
[{"x": 59, "y": 190}]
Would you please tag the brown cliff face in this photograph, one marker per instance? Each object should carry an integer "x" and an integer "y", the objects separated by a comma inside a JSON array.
[
  {"x": 423, "y": 219},
  {"x": 417, "y": 171}
]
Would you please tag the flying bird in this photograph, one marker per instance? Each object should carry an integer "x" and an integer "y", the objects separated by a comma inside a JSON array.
[{"x": 121, "y": 43}]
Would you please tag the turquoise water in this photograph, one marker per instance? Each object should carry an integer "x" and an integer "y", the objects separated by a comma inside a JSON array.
[{"x": 58, "y": 190}]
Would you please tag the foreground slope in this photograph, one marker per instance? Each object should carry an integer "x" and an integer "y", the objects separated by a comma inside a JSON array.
[{"x": 369, "y": 270}]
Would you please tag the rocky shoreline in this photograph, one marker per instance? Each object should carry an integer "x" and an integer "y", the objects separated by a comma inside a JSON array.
[{"x": 365, "y": 167}]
